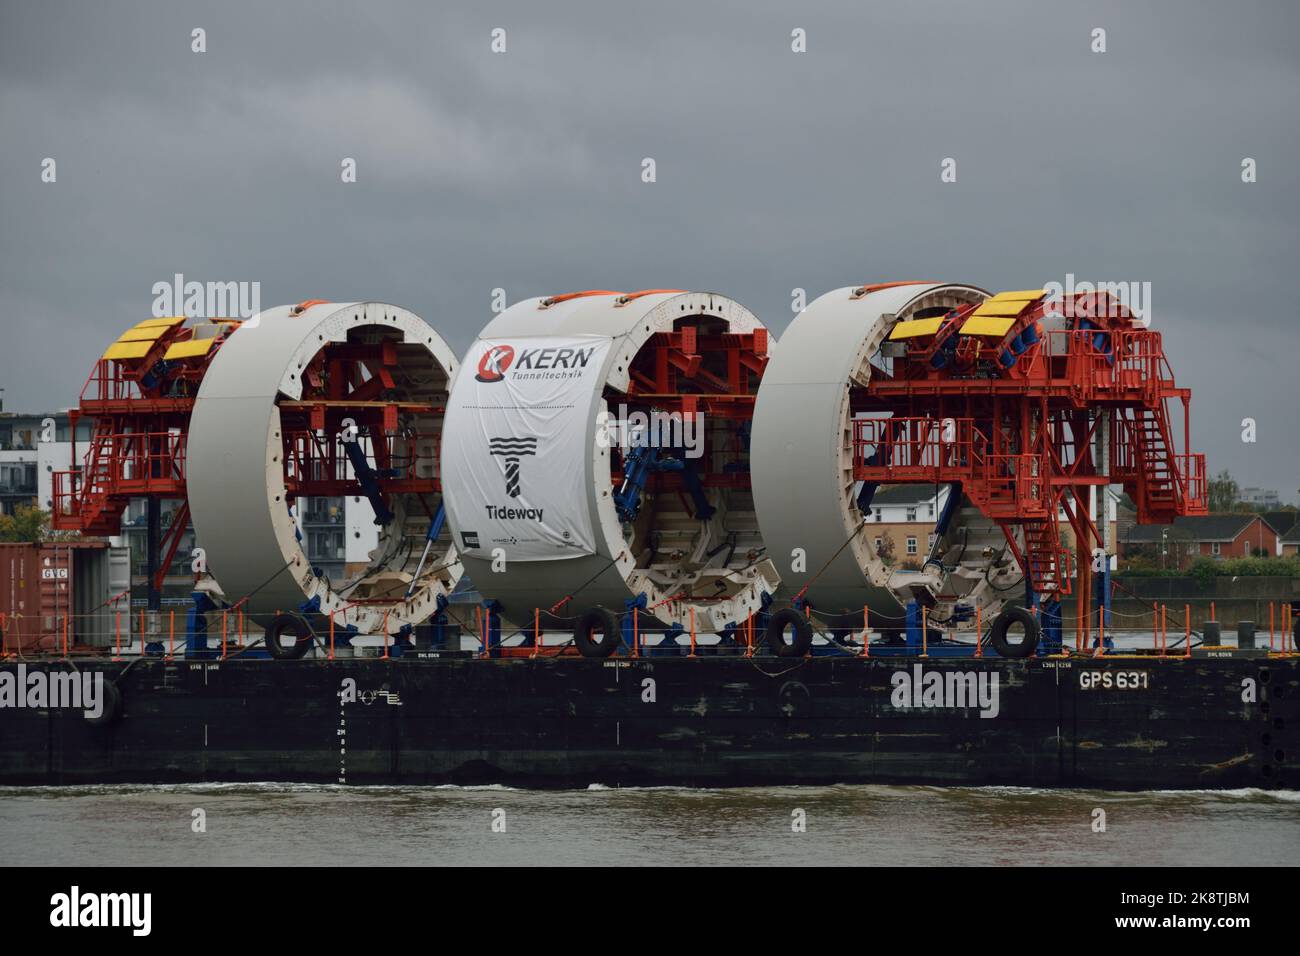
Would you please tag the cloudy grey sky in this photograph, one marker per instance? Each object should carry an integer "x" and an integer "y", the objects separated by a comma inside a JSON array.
[{"x": 775, "y": 170}]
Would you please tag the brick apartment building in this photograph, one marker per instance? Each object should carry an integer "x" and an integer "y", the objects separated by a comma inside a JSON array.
[{"x": 1175, "y": 545}]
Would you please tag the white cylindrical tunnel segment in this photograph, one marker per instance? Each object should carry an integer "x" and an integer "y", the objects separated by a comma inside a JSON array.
[
  {"x": 803, "y": 484},
  {"x": 536, "y": 472},
  {"x": 274, "y": 414}
]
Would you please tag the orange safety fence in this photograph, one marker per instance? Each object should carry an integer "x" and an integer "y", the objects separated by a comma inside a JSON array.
[{"x": 123, "y": 634}]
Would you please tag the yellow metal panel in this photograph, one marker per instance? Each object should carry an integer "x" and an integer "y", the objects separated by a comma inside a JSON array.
[
  {"x": 143, "y": 335},
  {"x": 914, "y": 327},
  {"x": 189, "y": 349},
  {"x": 1026, "y": 295},
  {"x": 987, "y": 325},
  {"x": 166, "y": 321},
  {"x": 128, "y": 350},
  {"x": 1003, "y": 310}
]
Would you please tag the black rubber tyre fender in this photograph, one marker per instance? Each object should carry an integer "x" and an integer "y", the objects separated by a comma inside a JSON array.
[
  {"x": 998, "y": 633},
  {"x": 803, "y": 635},
  {"x": 111, "y": 707},
  {"x": 593, "y": 620},
  {"x": 288, "y": 624}
]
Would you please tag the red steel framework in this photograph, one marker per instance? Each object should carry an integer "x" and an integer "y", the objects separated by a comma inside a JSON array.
[
  {"x": 348, "y": 387},
  {"x": 1013, "y": 419},
  {"x": 697, "y": 371},
  {"x": 140, "y": 396}
]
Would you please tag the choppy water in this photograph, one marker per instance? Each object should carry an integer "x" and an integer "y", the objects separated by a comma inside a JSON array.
[{"x": 872, "y": 825}]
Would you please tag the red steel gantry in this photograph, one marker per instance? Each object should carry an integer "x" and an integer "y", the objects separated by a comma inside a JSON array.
[{"x": 1025, "y": 404}]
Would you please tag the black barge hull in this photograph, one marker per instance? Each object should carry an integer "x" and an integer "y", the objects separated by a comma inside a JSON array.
[{"x": 1120, "y": 723}]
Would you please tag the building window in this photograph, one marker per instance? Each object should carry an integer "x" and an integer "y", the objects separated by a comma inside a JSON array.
[
  {"x": 911, "y": 546},
  {"x": 325, "y": 546},
  {"x": 880, "y": 515},
  {"x": 911, "y": 514},
  {"x": 877, "y": 545},
  {"x": 930, "y": 545},
  {"x": 929, "y": 510},
  {"x": 1216, "y": 548}
]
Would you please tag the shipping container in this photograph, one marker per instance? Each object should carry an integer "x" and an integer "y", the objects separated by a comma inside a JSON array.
[{"x": 54, "y": 589}]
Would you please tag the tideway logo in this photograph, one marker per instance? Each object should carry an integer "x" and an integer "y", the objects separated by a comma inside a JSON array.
[
  {"x": 40, "y": 689},
  {"x": 75, "y": 909},
  {"x": 919, "y": 688}
]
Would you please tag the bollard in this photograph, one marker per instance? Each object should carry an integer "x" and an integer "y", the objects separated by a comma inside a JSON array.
[
  {"x": 1246, "y": 634},
  {"x": 1211, "y": 634}
]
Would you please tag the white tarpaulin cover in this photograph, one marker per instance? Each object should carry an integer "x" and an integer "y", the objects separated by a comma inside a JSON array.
[{"x": 516, "y": 443}]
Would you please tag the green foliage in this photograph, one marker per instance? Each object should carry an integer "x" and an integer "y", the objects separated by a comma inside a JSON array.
[
  {"x": 1208, "y": 568},
  {"x": 1222, "y": 492},
  {"x": 27, "y": 523}
]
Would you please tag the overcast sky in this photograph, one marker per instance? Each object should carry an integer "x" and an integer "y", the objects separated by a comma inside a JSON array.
[{"x": 775, "y": 169}]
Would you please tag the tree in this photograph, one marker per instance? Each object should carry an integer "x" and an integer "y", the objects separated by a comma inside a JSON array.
[
  {"x": 1222, "y": 492},
  {"x": 27, "y": 523}
]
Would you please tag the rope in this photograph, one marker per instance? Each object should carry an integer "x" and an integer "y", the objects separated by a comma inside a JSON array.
[
  {"x": 569, "y": 597},
  {"x": 822, "y": 569}
]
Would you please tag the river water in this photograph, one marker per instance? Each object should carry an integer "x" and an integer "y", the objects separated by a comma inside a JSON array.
[{"x": 301, "y": 825}]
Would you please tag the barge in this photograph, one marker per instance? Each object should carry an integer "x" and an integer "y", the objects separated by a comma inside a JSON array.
[
  {"x": 1114, "y": 722},
  {"x": 1026, "y": 406}
]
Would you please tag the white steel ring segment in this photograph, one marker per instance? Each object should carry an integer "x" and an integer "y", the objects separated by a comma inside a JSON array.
[
  {"x": 802, "y": 462},
  {"x": 236, "y": 473},
  {"x": 610, "y": 577}
]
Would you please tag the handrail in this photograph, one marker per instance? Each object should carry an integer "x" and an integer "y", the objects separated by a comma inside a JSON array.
[{"x": 62, "y": 637}]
